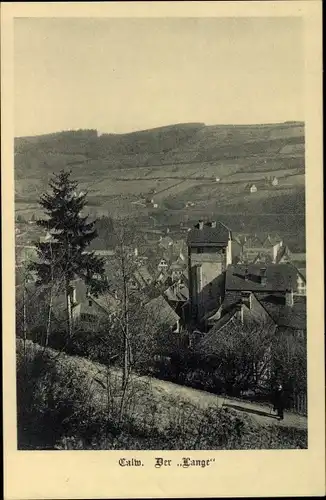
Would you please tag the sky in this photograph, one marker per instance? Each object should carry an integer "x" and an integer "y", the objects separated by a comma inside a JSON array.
[{"x": 118, "y": 75}]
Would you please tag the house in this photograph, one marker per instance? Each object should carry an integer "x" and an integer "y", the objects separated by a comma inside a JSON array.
[
  {"x": 162, "y": 314},
  {"x": 176, "y": 269},
  {"x": 252, "y": 188},
  {"x": 217, "y": 179},
  {"x": 177, "y": 292},
  {"x": 261, "y": 249},
  {"x": 267, "y": 298},
  {"x": 143, "y": 277},
  {"x": 162, "y": 265},
  {"x": 209, "y": 255},
  {"x": 162, "y": 277},
  {"x": 177, "y": 295},
  {"x": 286, "y": 256},
  {"x": 93, "y": 311},
  {"x": 165, "y": 242},
  {"x": 255, "y": 278},
  {"x": 86, "y": 309}
]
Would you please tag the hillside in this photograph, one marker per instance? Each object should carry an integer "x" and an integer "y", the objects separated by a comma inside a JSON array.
[
  {"x": 175, "y": 164},
  {"x": 68, "y": 398}
]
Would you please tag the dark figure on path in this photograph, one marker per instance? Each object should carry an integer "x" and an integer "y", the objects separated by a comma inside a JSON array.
[{"x": 279, "y": 401}]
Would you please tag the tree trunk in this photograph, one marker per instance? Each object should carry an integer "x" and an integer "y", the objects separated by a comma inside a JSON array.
[
  {"x": 126, "y": 354},
  {"x": 48, "y": 328},
  {"x": 68, "y": 305}
]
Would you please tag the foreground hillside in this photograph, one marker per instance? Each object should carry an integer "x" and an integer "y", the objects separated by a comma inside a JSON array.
[{"x": 70, "y": 402}]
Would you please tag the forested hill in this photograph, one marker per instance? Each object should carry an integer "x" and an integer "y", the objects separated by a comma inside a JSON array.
[{"x": 174, "y": 144}]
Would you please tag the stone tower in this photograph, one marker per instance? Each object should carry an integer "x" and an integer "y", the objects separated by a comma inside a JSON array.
[{"x": 209, "y": 254}]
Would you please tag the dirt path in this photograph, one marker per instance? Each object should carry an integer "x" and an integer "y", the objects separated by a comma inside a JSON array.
[{"x": 262, "y": 414}]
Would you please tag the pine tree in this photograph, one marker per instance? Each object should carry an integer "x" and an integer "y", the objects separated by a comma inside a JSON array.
[{"x": 62, "y": 257}]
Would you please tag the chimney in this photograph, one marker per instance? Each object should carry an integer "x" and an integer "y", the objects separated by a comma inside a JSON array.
[
  {"x": 73, "y": 295},
  {"x": 246, "y": 299},
  {"x": 213, "y": 223},
  {"x": 262, "y": 276},
  {"x": 246, "y": 274},
  {"x": 239, "y": 312},
  {"x": 201, "y": 224},
  {"x": 289, "y": 298}
]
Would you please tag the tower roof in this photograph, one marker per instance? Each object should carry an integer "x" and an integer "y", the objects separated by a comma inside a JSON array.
[{"x": 209, "y": 233}]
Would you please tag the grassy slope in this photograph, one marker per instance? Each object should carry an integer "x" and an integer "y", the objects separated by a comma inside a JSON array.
[{"x": 68, "y": 396}]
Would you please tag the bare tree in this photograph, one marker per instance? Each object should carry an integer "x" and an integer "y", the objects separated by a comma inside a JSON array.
[{"x": 239, "y": 356}]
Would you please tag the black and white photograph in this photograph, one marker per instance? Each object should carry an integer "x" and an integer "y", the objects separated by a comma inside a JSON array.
[
  {"x": 160, "y": 243},
  {"x": 162, "y": 278}
]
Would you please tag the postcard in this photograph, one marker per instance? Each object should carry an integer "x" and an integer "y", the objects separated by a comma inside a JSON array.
[{"x": 162, "y": 249}]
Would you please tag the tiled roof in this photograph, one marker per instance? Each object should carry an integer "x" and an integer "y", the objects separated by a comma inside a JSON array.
[
  {"x": 211, "y": 336},
  {"x": 273, "y": 236},
  {"x": 279, "y": 277},
  {"x": 252, "y": 242},
  {"x": 272, "y": 304},
  {"x": 178, "y": 265},
  {"x": 282, "y": 315},
  {"x": 174, "y": 294},
  {"x": 271, "y": 241},
  {"x": 282, "y": 253},
  {"x": 256, "y": 313},
  {"x": 144, "y": 275},
  {"x": 161, "y": 312},
  {"x": 107, "y": 302},
  {"x": 263, "y": 258},
  {"x": 166, "y": 242},
  {"x": 209, "y": 235},
  {"x": 302, "y": 271}
]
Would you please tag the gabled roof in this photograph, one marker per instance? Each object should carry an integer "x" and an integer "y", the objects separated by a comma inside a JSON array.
[
  {"x": 263, "y": 258},
  {"x": 283, "y": 315},
  {"x": 107, "y": 302},
  {"x": 256, "y": 313},
  {"x": 267, "y": 243},
  {"x": 219, "y": 235},
  {"x": 302, "y": 272},
  {"x": 143, "y": 275},
  {"x": 283, "y": 253},
  {"x": 272, "y": 235},
  {"x": 166, "y": 242},
  {"x": 161, "y": 312},
  {"x": 279, "y": 277},
  {"x": 177, "y": 294},
  {"x": 252, "y": 242},
  {"x": 178, "y": 265}
]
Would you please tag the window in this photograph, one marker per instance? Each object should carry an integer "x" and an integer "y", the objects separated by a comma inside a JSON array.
[
  {"x": 90, "y": 303},
  {"x": 89, "y": 318}
]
